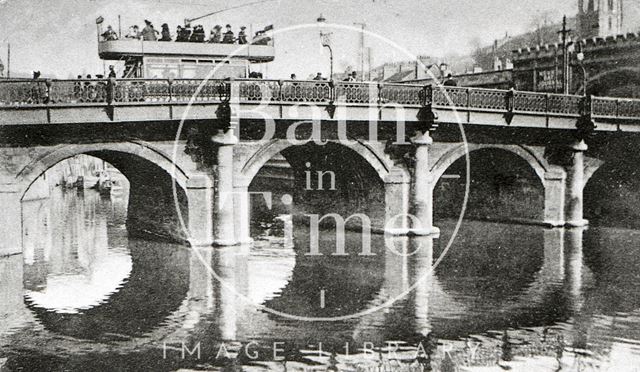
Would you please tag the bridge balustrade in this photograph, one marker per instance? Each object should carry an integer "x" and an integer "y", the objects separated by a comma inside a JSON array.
[{"x": 26, "y": 93}]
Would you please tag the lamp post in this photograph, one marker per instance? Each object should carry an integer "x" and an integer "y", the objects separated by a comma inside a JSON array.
[
  {"x": 362, "y": 26},
  {"x": 325, "y": 39}
]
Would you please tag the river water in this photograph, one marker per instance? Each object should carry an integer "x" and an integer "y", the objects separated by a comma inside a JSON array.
[{"x": 83, "y": 296}]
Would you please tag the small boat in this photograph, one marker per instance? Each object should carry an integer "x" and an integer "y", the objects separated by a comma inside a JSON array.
[
  {"x": 104, "y": 187},
  {"x": 79, "y": 182}
]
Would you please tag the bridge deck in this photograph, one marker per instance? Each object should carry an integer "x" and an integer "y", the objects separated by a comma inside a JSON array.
[{"x": 126, "y": 100}]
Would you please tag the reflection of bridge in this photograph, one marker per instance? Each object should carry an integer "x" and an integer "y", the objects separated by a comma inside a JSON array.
[
  {"x": 227, "y": 138},
  {"x": 204, "y": 310}
]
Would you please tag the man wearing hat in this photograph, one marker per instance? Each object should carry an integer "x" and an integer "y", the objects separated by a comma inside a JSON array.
[
  {"x": 216, "y": 34},
  {"x": 242, "y": 37},
  {"x": 228, "y": 37},
  {"x": 148, "y": 32}
]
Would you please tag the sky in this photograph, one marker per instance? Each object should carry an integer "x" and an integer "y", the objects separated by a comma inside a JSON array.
[{"x": 58, "y": 37}]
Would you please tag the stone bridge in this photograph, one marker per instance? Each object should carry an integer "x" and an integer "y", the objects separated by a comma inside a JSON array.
[{"x": 195, "y": 146}]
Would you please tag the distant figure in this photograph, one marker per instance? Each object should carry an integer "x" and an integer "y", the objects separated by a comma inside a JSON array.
[
  {"x": 450, "y": 81},
  {"x": 36, "y": 75},
  {"x": 351, "y": 77},
  {"x": 180, "y": 34},
  {"x": 1, "y": 68},
  {"x": 293, "y": 77},
  {"x": 148, "y": 32},
  {"x": 134, "y": 33},
  {"x": 228, "y": 37},
  {"x": 112, "y": 72},
  {"x": 198, "y": 34},
  {"x": 166, "y": 34},
  {"x": 242, "y": 36},
  {"x": 216, "y": 34},
  {"x": 318, "y": 76},
  {"x": 109, "y": 34}
]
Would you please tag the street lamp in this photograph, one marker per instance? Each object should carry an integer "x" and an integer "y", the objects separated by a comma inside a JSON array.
[{"x": 325, "y": 39}]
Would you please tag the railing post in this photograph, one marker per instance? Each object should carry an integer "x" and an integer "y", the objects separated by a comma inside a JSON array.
[
  {"x": 468, "y": 90},
  {"x": 170, "y": 83},
  {"x": 280, "y": 91},
  {"x": 547, "y": 99},
  {"x": 509, "y": 105},
  {"x": 47, "y": 84},
  {"x": 111, "y": 84},
  {"x": 380, "y": 87}
]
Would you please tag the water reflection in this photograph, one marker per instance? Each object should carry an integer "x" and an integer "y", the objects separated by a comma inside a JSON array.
[{"x": 88, "y": 293}]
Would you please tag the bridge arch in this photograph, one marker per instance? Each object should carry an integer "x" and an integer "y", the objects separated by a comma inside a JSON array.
[
  {"x": 151, "y": 210},
  {"x": 539, "y": 165},
  {"x": 139, "y": 149},
  {"x": 375, "y": 157}
]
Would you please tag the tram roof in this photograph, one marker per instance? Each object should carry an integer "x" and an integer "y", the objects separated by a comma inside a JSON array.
[{"x": 119, "y": 49}]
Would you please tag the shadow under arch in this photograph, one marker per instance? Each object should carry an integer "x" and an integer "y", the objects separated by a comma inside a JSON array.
[
  {"x": 538, "y": 165},
  {"x": 611, "y": 196},
  {"x": 507, "y": 183},
  {"x": 374, "y": 157}
]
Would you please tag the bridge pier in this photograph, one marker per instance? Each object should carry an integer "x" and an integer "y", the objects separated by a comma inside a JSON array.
[
  {"x": 242, "y": 218},
  {"x": 422, "y": 190},
  {"x": 396, "y": 200},
  {"x": 554, "y": 192},
  {"x": 563, "y": 201},
  {"x": 575, "y": 185},
  {"x": 200, "y": 191},
  {"x": 224, "y": 214},
  {"x": 10, "y": 219}
]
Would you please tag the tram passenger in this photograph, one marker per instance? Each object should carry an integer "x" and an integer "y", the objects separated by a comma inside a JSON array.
[
  {"x": 148, "y": 32},
  {"x": 110, "y": 34},
  {"x": 166, "y": 34},
  {"x": 112, "y": 72},
  {"x": 242, "y": 36},
  {"x": 318, "y": 76},
  {"x": 134, "y": 33},
  {"x": 216, "y": 34},
  {"x": 228, "y": 37},
  {"x": 198, "y": 34}
]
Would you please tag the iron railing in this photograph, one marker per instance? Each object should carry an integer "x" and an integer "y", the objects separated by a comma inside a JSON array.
[{"x": 27, "y": 93}]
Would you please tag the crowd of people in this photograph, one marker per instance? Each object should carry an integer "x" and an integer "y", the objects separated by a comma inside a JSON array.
[{"x": 186, "y": 33}]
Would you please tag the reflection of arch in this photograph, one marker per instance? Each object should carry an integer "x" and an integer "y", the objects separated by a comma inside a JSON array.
[
  {"x": 142, "y": 150},
  {"x": 379, "y": 162},
  {"x": 539, "y": 166}
]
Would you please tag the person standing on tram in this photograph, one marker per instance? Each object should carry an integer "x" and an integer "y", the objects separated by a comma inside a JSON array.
[
  {"x": 166, "y": 34},
  {"x": 242, "y": 36},
  {"x": 216, "y": 34},
  {"x": 148, "y": 32},
  {"x": 229, "y": 37}
]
